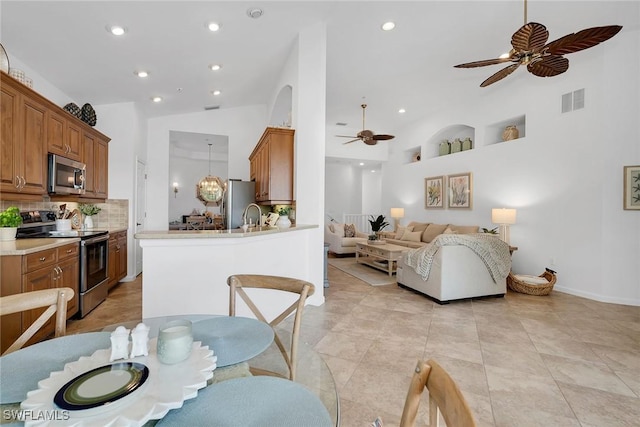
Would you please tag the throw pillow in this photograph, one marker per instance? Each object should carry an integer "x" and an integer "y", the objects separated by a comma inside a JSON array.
[
  {"x": 432, "y": 231},
  {"x": 419, "y": 226},
  {"x": 349, "y": 230},
  {"x": 338, "y": 229},
  {"x": 411, "y": 236},
  {"x": 448, "y": 230},
  {"x": 331, "y": 229},
  {"x": 401, "y": 230}
]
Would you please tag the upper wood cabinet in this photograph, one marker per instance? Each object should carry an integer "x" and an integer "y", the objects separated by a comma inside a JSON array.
[
  {"x": 32, "y": 126},
  {"x": 271, "y": 167},
  {"x": 23, "y": 141},
  {"x": 63, "y": 136}
]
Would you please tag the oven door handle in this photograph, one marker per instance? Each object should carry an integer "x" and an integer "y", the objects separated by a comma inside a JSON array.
[{"x": 94, "y": 240}]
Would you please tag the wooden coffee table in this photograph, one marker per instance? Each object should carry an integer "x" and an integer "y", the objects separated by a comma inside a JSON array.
[{"x": 383, "y": 257}]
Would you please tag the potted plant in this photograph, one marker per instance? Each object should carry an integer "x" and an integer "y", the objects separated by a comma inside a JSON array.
[
  {"x": 89, "y": 210},
  {"x": 490, "y": 231},
  {"x": 377, "y": 224},
  {"x": 284, "y": 221},
  {"x": 10, "y": 220}
]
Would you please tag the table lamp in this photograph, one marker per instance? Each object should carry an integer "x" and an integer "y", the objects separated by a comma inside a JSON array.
[
  {"x": 503, "y": 217},
  {"x": 397, "y": 214}
]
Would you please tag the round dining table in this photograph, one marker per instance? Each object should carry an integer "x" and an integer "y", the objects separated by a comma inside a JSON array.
[{"x": 235, "y": 341}]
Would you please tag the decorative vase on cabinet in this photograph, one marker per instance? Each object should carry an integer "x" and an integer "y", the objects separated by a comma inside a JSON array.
[
  {"x": 8, "y": 233},
  {"x": 466, "y": 144},
  {"x": 456, "y": 145},
  {"x": 88, "y": 222},
  {"x": 444, "y": 148}
]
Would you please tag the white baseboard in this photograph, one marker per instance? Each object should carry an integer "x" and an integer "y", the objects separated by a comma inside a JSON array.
[{"x": 597, "y": 297}]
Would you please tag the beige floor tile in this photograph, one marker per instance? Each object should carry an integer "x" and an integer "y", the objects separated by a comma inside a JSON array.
[
  {"x": 564, "y": 347},
  {"x": 343, "y": 346},
  {"x": 586, "y": 374},
  {"x": 513, "y": 358},
  {"x": 341, "y": 369},
  {"x": 600, "y": 408}
]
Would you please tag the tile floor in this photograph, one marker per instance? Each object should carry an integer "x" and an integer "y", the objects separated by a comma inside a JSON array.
[{"x": 520, "y": 361}]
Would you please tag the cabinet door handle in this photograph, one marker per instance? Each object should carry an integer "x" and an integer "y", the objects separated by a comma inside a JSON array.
[
  {"x": 24, "y": 182},
  {"x": 43, "y": 259},
  {"x": 17, "y": 182},
  {"x": 69, "y": 251}
]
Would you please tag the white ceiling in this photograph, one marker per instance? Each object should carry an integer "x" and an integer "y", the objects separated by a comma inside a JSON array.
[{"x": 410, "y": 67}]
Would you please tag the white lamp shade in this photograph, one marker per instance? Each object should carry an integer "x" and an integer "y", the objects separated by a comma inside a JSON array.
[
  {"x": 503, "y": 216},
  {"x": 397, "y": 212}
]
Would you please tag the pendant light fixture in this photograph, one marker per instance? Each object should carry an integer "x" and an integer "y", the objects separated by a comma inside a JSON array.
[{"x": 209, "y": 189}]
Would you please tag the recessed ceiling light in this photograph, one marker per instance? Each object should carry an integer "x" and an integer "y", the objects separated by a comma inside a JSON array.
[
  {"x": 388, "y": 26},
  {"x": 156, "y": 99},
  {"x": 361, "y": 164},
  {"x": 215, "y": 67},
  {"x": 373, "y": 171},
  {"x": 213, "y": 26},
  {"x": 141, "y": 73},
  {"x": 215, "y": 92},
  {"x": 254, "y": 12},
  {"x": 116, "y": 30},
  {"x": 402, "y": 111}
]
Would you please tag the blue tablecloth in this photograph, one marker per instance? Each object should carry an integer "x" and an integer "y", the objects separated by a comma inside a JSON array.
[
  {"x": 233, "y": 339},
  {"x": 251, "y": 401},
  {"x": 21, "y": 370}
]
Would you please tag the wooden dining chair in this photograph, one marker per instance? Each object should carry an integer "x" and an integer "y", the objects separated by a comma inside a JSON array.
[
  {"x": 238, "y": 283},
  {"x": 444, "y": 397},
  {"x": 55, "y": 300},
  {"x": 195, "y": 222}
]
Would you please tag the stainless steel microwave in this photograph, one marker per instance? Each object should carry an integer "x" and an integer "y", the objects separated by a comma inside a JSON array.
[{"x": 66, "y": 176}]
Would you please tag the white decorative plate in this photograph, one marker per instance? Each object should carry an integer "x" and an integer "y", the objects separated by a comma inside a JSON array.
[{"x": 167, "y": 387}]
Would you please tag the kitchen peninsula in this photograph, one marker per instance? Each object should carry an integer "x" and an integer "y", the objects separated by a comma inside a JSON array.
[{"x": 185, "y": 272}]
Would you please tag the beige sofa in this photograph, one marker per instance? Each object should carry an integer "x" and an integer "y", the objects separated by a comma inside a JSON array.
[
  {"x": 339, "y": 244},
  {"x": 417, "y": 234}
]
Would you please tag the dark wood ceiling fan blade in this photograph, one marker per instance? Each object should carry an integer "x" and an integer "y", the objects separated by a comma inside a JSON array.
[
  {"x": 530, "y": 37},
  {"x": 353, "y": 140},
  {"x": 500, "y": 75},
  {"x": 549, "y": 66},
  {"x": 382, "y": 137},
  {"x": 346, "y": 136},
  {"x": 370, "y": 141},
  {"x": 581, "y": 40},
  {"x": 483, "y": 63}
]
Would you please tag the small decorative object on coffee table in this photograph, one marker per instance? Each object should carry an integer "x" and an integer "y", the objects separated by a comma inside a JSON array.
[{"x": 377, "y": 224}]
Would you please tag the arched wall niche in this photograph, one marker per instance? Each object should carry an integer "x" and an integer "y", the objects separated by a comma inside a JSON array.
[{"x": 281, "y": 113}]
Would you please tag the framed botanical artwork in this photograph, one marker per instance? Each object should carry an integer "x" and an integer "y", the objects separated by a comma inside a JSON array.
[
  {"x": 632, "y": 187},
  {"x": 460, "y": 188},
  {"x": 434, "y": 192}
]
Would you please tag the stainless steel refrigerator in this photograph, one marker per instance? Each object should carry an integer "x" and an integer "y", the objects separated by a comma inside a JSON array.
[{"x": 237, "y": 196}]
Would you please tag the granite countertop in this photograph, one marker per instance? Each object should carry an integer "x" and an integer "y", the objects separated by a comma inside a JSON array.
[
  {"x": 217, "y": 234},
  {"x": 29, "y": 246}
]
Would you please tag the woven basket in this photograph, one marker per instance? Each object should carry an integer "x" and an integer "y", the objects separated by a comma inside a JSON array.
[{"x": 533, "y": 289}]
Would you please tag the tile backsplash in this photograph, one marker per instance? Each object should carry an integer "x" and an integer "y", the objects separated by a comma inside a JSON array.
[{"x": 114, "y": 213}]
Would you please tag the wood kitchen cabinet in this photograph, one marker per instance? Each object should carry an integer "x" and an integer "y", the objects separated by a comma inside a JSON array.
[
  {"x": 32, "y": 126},
  {"x": 96, "y": 157},
  {"x": 23, "y": 131},
  {"x": 64, "y": 137},
  {"x": 117, "y": 257},
  {"x": 50, "y": 268},
  {"x": 271, "y": 167}
]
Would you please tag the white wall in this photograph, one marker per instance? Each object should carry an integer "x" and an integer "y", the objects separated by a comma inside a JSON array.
[
  {"x": 564, "y": 177},
  {"x": 342, "y": 191},
  {"x": 372, "y": 193},
  {"x": 242, "y": 125}
]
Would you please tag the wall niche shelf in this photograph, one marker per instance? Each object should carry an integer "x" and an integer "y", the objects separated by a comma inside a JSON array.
[
  {"x": 412, "y": 155},
  {"x": 450, "y": 133},
  {"x": 493, "y": 132}
]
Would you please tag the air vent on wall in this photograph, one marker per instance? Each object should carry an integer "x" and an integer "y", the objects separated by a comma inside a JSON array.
[
  {"x": 212, "y": 107},
  {"x": 341, "y": 124},
  {"x": 573, "y": 100}
]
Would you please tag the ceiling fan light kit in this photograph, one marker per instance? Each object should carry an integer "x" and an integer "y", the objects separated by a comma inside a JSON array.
[{"x": 542, "y": 59}]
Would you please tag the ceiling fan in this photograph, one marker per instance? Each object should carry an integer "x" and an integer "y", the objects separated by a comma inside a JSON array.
[
  {"x": 543, "y": 59},
  {"x": 365, "y": 135}
]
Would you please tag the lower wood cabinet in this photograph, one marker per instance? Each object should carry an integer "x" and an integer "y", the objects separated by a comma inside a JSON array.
[
  {"x": 117, "y": 257},
  {"x": 50, "y": 268}
]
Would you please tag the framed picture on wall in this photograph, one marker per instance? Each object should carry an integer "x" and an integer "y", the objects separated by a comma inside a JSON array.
[
  {"x": 434, "y": 192},
  {"x": 632, "y": 187},
  {"x": 460, "y": 189}
]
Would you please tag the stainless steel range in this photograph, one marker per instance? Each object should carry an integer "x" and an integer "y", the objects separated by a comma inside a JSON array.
[{"x": 94, "y": 252}]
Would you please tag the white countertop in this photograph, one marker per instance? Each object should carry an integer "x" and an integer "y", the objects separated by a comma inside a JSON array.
[
  {"x": 216, "y": 234},
  {"x": 28, "y": 246}
]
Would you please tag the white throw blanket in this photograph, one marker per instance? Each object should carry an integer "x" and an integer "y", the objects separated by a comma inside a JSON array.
[{"x": 491, "y": 250}]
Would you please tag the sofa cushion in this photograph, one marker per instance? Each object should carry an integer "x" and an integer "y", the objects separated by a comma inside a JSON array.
[
  {"x": 401, "y": 230},
  {"x": 338, "y": 229},
  {"x": 349, "y": 230},
  {"x": 464, "y": 229},
  {"x": 448, "y": 230},
  {"x": 418, "y": 226},
  {"x": 432, "y": 231},
  {"x": 411, "y": 236},
  {"x": 348, "y": 242}
]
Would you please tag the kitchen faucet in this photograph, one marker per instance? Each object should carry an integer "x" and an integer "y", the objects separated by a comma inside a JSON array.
[{"x": 246, "y": 210}]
